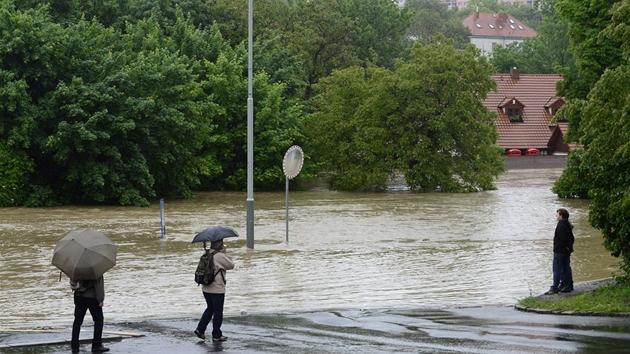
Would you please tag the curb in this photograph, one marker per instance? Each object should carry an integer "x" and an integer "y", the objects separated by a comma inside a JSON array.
[{"x": 571, "y": 313}]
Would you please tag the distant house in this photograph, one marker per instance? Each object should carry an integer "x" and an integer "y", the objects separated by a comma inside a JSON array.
[
  {"x": 464, "y": 3},
  {"x": 489, "y": 30},
  {"x": 526, "y": 105},
  {"x": 460, "y": 4}
]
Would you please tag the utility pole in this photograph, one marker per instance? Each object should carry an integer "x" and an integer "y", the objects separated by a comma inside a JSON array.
[{"x": 250, "y": 132}]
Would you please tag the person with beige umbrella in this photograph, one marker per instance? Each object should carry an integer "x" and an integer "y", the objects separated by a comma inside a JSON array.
[{"x": 84, "y": 256}]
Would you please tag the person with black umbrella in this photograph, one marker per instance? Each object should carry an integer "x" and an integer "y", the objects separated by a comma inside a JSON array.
[{"x": 214, "y": 294}]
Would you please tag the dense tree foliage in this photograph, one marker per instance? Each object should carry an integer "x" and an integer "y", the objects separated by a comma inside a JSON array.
[
  {"x": 122, "y": 101},
  {"x": 431, "y": 17},
  {"x": 320, "y": 35},
  {"x": 96, "y": 115},
  {"x": 423, "y": 120},
  {"x": 327, "y": 35},
  {"x": 600, "y": 120}
]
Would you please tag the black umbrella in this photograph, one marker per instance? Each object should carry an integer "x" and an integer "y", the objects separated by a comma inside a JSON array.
[{"x": 215, "y": 233}]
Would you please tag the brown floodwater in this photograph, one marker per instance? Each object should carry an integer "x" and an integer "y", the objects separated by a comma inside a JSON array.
[{"x": 345, "y": 251}]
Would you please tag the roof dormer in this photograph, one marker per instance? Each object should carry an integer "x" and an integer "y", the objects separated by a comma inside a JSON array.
[
  {"x": 513, "y": 108},
  {"x": 554, "y": 105}
]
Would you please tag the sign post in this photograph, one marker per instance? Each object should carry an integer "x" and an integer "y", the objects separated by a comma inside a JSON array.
[
  {"x": 162, "y": 226},
  {"x": 291, "y": 166}
]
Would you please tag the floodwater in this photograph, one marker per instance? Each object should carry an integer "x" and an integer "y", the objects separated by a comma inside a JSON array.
[{"x": 396, "y": 250}]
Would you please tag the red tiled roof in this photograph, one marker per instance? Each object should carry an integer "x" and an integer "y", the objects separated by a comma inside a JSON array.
[
  {"x": 497, "y": 25},
  {"x": 533, "y": 92}
]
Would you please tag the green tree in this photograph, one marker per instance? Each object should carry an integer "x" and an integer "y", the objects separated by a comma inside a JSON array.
[
  {"x": 15, "y": 169},
  {"x": 132, "y": 127},
  {"x": 326, "y": 35},
  {"x": 30, "y": 66},
  {"x": 594, "y": 51},
  {"x": 424, "y": 120},
  {"x": 600, "y": 122},
  {"x": 95, "y": 115},
  {"x": 504, "y": 58},
  {"x": 61, "y": 11},
  {"x": 277, "y": 127},
  {"x": 431, "y": 17},
  {"x": 378, "y": 29}
]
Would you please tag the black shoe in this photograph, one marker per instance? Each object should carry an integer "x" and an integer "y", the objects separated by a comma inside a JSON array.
[
  {"x": 75, "y": 350},
  {"x": 566, "y": 290},
  {"x": 200, "y": 334},
  {"x": 551, "y": 292},
  {"x": 220, "y": 339},
  {"x": 100, "y": 349}
]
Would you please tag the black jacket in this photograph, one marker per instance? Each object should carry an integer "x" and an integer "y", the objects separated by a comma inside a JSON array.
[
  {"x": 96, "y": 291},
  {"x": 563, "y": 238}
]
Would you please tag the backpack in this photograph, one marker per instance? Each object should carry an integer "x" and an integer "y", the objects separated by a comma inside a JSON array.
[
  {"x": 205, "y": 272},
  {"x": 80, "y": 286}
]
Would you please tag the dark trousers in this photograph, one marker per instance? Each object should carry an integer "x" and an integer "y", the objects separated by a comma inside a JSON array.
[
  {"x": 81, "y": 306},
  {"x": 562, "y": 272},
  {"x": 214, "y": 311}
]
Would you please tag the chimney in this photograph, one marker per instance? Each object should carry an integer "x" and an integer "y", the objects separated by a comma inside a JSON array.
[
  {"x": 502, "y": 18},
  {"x": 515, "y": 73}
]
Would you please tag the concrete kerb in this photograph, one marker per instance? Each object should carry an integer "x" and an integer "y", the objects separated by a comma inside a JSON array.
[{"x": 579, "y": 288}]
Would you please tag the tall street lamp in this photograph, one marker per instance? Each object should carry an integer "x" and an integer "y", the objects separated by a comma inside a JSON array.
[{"x": 250, "y": 132}]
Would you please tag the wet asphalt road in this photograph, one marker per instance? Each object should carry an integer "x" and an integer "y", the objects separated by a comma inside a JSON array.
[{"x": 466, "y": 330}]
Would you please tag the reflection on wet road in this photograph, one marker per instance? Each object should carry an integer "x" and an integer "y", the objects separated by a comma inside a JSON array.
[
  {"x": 347, "y": 251},
  {"x": 468, "y": 330}
]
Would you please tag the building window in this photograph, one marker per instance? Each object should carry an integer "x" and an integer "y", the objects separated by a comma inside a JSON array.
[{"x": 514, "y": 115}]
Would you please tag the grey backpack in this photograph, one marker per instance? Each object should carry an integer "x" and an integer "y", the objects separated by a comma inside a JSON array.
[{"x": 205, "y": 272}]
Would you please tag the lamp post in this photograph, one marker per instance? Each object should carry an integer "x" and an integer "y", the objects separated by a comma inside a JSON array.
[{"x": 250, "y": 131}]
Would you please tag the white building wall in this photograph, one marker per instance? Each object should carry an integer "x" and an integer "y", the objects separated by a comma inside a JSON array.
[{"x": 486, "y": 44}]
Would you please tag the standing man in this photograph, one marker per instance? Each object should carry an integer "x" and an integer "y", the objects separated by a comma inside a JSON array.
[
  {"x": 562, "y": 248},
  {"x": 214, "y": 293},
  {"x": 89, "y": 299}
]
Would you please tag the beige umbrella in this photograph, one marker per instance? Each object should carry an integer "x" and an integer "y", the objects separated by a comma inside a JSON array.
[{"x": 84, "y": 254}]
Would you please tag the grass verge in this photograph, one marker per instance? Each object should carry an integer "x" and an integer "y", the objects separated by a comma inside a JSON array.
[{"x": 606, "y": 299}]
